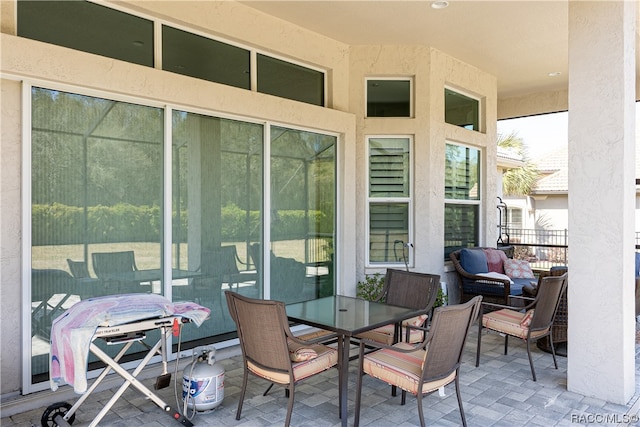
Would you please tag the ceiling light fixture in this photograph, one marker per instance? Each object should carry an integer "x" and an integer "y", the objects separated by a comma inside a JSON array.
[
  {"x": 440, "y": 4},
  {"x": 554, "y": 74}
]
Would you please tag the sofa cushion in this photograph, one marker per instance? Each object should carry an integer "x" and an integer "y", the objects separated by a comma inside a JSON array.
[
  {"x": 473, "y": 261},
  {"x": 495, "y": 260},
  {"x": 518, "y": 269}
]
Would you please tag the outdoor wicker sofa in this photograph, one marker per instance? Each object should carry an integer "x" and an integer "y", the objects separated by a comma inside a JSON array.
[{"x": 490, "y": 272}]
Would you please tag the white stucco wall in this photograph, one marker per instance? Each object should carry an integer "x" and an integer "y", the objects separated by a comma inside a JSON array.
[{"x": 10, "y": 232}]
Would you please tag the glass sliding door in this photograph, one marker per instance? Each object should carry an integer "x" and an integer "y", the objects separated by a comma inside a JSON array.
[
  {"x": 97, "y": 209},
  {"x": 303, "y": 195},
  {"x": 96, "y": 205},
  {"x": 217, "y": 203}
]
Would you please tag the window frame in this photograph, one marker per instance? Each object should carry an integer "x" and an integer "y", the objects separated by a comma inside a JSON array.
[
  {"x": 410, "y": 79},
  {"x": 510, "y": 221},
  {"x": 388, "y": 200},
  {"x": 466, "y": 202},
  {"x": 478, "y": 99}
]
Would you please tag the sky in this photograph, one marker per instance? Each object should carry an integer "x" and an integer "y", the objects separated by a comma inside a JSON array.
[
  {"x": 540, "y": 134},
  {"x": 544, "y": 133}
]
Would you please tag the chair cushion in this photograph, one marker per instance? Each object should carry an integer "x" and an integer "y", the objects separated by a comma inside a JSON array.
[
  {"x": 509, "y": 322},
  {"x": 518, "y": 269},
  {"x": 384, "y": 334},
  {"x": 495, "y": 260},
  {"x": 401, "y": 369},
  {"x": 327, "y": 358},
  {"x": 526, "y": 320},
  {"x": 473, "y": 261}
]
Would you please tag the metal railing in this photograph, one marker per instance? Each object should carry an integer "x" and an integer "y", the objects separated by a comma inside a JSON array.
[{"x": 542, "y": 248}]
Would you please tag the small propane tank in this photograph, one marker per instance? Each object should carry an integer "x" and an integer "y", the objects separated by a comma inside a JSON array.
[{"x": 203, "y": 383}]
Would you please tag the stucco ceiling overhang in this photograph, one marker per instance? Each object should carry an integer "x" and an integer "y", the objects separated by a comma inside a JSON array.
[{"x": 520, "y": 42}]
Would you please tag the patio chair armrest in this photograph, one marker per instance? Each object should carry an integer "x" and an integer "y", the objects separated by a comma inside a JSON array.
[
  {"x": 521, "y": 297},
  {"x": 317, "y": 337},
  {"x": 364, "y": 343},
  {"x": 494, "y": 306},
  {"x": 419, "y": 328}
]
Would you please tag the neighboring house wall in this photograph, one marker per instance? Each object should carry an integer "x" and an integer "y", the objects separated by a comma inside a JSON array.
[
  {"x": 547, "y": 207},
  {"x": 347, "y": 66}
]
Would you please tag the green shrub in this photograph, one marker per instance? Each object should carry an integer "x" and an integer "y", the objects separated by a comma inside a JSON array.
[
  {"x": 371, "y": 288},
  {"x": 59, "y": 224}
]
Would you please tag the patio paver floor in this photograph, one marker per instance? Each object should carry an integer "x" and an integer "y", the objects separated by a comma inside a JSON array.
[{"x": 500, "y": 392}]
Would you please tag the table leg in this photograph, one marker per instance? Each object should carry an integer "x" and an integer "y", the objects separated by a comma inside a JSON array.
[{"x": 343, "y": 380}]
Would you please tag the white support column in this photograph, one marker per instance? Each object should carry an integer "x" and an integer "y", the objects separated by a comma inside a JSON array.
[{"x": 601, "y": 338}]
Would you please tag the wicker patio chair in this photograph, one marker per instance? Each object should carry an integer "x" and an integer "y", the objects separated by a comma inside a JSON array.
[
  {"x": 561, "y": 318},
  {"x": 533, "y": 322},
  {"x": 496, "y": 290},
  {"x": 423, "y": 368},
  {"x": 406, "y": 289},
  {"x": 269, "y": 349}
]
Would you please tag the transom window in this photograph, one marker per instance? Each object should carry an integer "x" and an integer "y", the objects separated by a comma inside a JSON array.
[
  {"x": 462, "y": 197},
  {"x": 390, "y": 97},
  {"x": 102, "y": 30},
  {"x": 88, "y": 27},
  {"x": 461, "y": 110},
  {"x": 389, "y": 198},
  {"x": 204, "y": 58}
]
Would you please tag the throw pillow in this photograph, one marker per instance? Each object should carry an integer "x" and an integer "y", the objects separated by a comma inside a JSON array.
[
  {"x": 526, "y": 320},
  {"x": 518, "y": 269},
  {"x": 495, "y": 260},
  {"x": 473, "y": 261},
  {"x": 300, "y": 353}
]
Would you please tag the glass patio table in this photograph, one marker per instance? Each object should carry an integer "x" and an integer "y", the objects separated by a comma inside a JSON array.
[{"x": 347, "y": 317}]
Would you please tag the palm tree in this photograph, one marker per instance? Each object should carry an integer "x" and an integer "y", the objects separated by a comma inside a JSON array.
[{"x": 518, "y": 181}]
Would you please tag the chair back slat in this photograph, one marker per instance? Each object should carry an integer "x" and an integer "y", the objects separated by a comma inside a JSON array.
[
  {"x": 449, "y": 329},
  {"x": 79, "y": 269},
  {"x": 411, "y": 289},
  {"x": 548, "y": 296},
  {"x": 105, "y": 263},
  {"x": 261, "y": 326}
]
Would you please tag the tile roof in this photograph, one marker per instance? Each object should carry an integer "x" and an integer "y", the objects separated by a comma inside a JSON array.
[
  {"x": 553, "y": 172},
  {"x": 553, "y": 168}
]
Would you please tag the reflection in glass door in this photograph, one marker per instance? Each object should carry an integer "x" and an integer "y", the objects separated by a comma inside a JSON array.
[
  {"x": 95, "y": 208},
  {"x": 303, "y": 195},
  {"x": 217, "y": 204}
]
